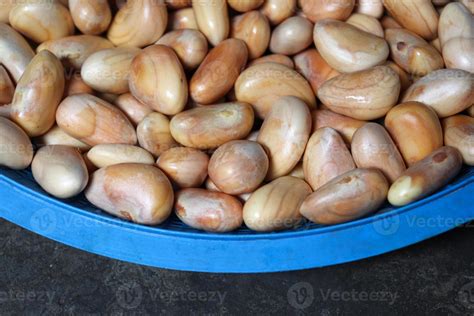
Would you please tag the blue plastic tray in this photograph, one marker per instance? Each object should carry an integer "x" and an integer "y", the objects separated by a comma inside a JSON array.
[{"x": 173, "y": 245}]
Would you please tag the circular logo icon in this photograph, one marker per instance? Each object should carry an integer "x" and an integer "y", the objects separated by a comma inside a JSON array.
[
  {"x": 301, "y": 295},
  {"x": 129, "y": 296},
  {"x": 43, "y": 221},
  {"x": 387, "y": 225},
  {"x": 466, "y": 295}
]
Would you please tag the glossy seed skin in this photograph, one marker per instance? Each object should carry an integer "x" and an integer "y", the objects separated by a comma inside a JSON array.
[
  {"x": 352, "y": 195},
  {"x": 135, "y": 110},
  {"x": 104, "y": 155},
  {"x": 426, "y": 176},
  {"x": 41, "y": 20},
  {"x": 158, "y": 80},
  {"x": 262, "y": 84},
  {"x": 38, "y": 94},
  {"x": 74, "y": 50},
  {"x": 292, "y": 36},
  {"x": 344, "y": 125},
  {"x": 284, "y": 135},
  {"x": 16, "y": 148},
  {"x": 112, "y": 189},
  {"x": 138, "y": 23},
  {"x": 154, "y": 134},
  {"x": 60, "y": 171},
  {"x": 108, "y": 70},
  {"x": 254, "y": 29},
  {"x": 208, "y": 211},
  {"x": 447, "y": 91},
  {"x": 317, "y": 10},
  {"x": 189, "y": 45},
  {"x": 94, "y": 121},
  {"x": 238, "y": 167},
  {"x": 459, "y": 133},
  {"x": 413, "y": 53},
  {"x": 15, "y": 52},
  {"x": 314, "y": 68},
  {"x": 419, "y": 16},
  {"x": 90, "y": 16},
  {"x": 363, "y": 95},
  {"x": 274, "y": 206},
  {"x": 212, "y": 18},
  {"x": 372, "y": 147},
  {"x": 211, "y": 126},
  {"x": 347, "y": 48},
  {"x": 218, "y": 72},
  {"x": 416, "y": 130},
  {"x": 187, "y": 167},
  {"x": 326, "y": 157}
]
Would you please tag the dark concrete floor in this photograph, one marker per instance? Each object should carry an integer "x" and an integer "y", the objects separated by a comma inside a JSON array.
[{"x": 39, "y": 276}]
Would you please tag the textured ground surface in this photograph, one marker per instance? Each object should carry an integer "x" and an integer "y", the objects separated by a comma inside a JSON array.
[{"x": 39, "y": 276}]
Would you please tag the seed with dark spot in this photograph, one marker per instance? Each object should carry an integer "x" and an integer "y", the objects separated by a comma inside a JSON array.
[
  {"x": 401, "y": 45},
  {"x": 440, "y": 157}
]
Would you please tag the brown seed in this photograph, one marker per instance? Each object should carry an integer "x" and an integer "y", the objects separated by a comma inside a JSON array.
[
  {"x": 447, "y": 91},
  {"x": 94, "y": 121},
  {"x": 218, "y": 72},
  {"x": 419, "y": 16},
  {"x": 113, "y": 189},
  {"x": 16, "y": 148},
  {"x": 238, "y": 166},
  {"x": 416, "y": 130},
  {"x": 262, "y": 84},
  {"x": 60, "y": 171},
  {"x": 314, "y": 68},
  {"x": 138, "y": 23},
  {"x": 211, "y": 126},
  {"x": 372, "y": 147},
  {"x": 364, "y": 95},
  {"x": 90, "y": 16},
  {"x": 157, "y": 79},
  {"x": 317, "y": 10},
  {"x": 74, "y": 50},
  {"x": 352, "y": 195},
  {"x": 326, "y": 157},
  {"x": 347, "y": 48},
  {"x": 154, "y": 134},
  {"x": 344, "y": 125},
  {"x": 459, "y": 133},
  {"x": 38, "y": 94},
  {"x": 187, "y": 167},
  {"x": 275, "y": 206},
  {"x": 254, "y": 29},
  {"x": 413, "y": 53},
  {"x": 189, "y": 45},
  {"x": 135, "y": 110},
  {"x": 209, "y": 211},
  {"x": 426, "y": 176},
  {"x": 284, "y": 135}
]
